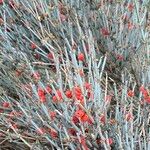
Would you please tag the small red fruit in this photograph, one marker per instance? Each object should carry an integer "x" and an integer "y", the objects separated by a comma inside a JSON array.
[
  {"x": 6, "y": 104},
  {"x": 147, "y": 99},
  {"x": 85, "y": 118},
  {"x": 54, "y": 98},
  {"x": 130, "y": 93},
  {"x": 58, "y": 97},
  {"x": 74, "y": 119},
  {"x": 130, "y": 25},
  {"x": 87, "y": 86},
  {"x": 105, "y": 32},
  {"x": 40, "y": 92},
  {"x": 53, "y": 133},
  {"x": 130, "y": 7},
  {"x": 52, "y": 114},
  {"x": 72, "y": 131},
  {"x": 81, "y": 57},
  {"x": 109, "y": 141},
  {"x": 1, "y": 2},
  {"x": 79, "y": 113},
  {"x": 43, "y": 99},
  {"x": 141, "y": 89},
  {"x": 68, "y": 94},
  {"x": 144, "y": 91},
  {"x": 119, "y": 57},
  {"x": 50, "y": 56},
  {"x": 128, "y": 116},
  {"x": 1, "y": 110},
  {"x": 33, "y": 46}
]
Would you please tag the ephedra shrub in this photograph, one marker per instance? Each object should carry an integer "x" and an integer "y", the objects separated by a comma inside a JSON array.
[{"x": 74, "y": 74}]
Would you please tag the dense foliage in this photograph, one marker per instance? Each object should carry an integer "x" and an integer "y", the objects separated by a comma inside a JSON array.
[{"x": 74, "y": 74}]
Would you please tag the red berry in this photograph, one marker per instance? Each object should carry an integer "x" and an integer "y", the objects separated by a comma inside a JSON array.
[
  {"x": 75, "y": 120},
  {"x": 68, "y": 94},
  {"x": 54, "y": 98},
  {"x": 129, "y": 116},
  {"x": 52, "y": 114},
  {"x": 1, "y": 2},
  {"x": 130, "y": 25},
  {"x": 6, "y": 104},
  {"x": 53, "y": 133},
  {"x": 87, "y": 86},
  {"x": 79, "y": 113},
  {"x": 58, "y": 97},
  {"x": 144, "y": 91},
  {"x": 119, "y": 57},
  {"x": 72, "y": 131},
  {"x": 50, "y": 56},
  {"x": 130, "y": 93},
  {"x": 90, "y": 121},
  {"x": 81, "y": 57},
  {"x": 105, "y": 32},
  {"x": 147, "y": 99},
  {"x": 77, "y": 91},
  {"x": 85, "y": 118},
  {"x": 41, "y": 92},
  {"x": 109, "y": 141},
  {"x": 81, "y": 99},
  {"x": 43, "y": 99},
  {"x": 1, "y": 110},
  {"x": 141, "y": 89},
  {"x": 130, "y": 7},
  {"x": 33, "y": 46}
]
